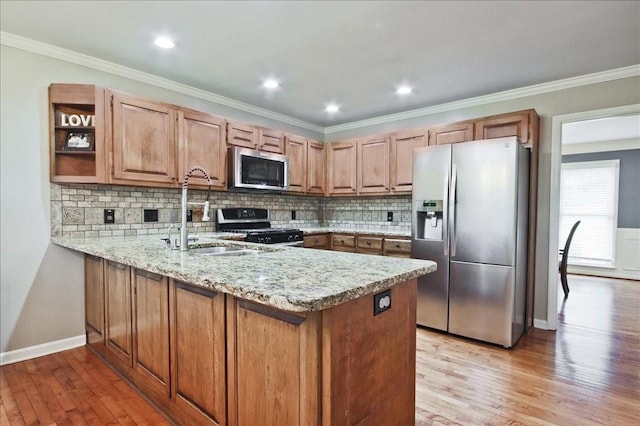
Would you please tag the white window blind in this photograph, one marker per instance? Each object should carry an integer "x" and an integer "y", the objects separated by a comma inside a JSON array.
[{"x": 589, "y": 193}]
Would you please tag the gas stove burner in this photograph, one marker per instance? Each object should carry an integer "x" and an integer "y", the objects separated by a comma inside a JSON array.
[{"x": 255, "y": 224}]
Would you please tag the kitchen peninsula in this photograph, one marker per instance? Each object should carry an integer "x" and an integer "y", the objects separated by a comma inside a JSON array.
[{"x": 288, "y": 336}]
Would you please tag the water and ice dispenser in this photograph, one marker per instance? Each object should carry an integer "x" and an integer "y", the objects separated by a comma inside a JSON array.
[{"x": 429, "y": 219}]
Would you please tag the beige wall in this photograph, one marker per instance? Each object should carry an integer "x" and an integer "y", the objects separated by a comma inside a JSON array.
[{"x": 41, "y": 284}]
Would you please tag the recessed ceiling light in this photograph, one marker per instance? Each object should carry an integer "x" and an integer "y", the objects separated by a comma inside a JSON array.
[
  {"x": 403, "y": 90},
  {"x": 164, "y": 42},
  {"x": 332, "y": 108},
  {"x": 271, "y": 84}
]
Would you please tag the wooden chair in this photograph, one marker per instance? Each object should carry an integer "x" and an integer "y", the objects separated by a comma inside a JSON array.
[{"x": 563, "y": 261}]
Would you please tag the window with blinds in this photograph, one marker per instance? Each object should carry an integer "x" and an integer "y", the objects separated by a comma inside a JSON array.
[{"x": 589, "y": 192}]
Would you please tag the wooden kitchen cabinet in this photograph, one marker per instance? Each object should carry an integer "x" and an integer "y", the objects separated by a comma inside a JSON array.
[
  {"x": 396, "y": 247},
  {"x": 373, "y": 165},
  {"x": 368, "y": 244},
  {"x": 296, "y": 149},
  {"x": 274, "y": 363},
  {"x": 117, "y": 296},
  {"x": 320, "y": 241},
  {"x": 94, "y": 302},
  {"x": 342, "y": 168},
  {"x": 242, "y": 135},
  {"x": 76, "y": 111},
  {"x": 270, "y": 140},
  {"x": 523, "y": 124},
  {"x": 198, "y": 358},
  {"x": 401, "y": 163},
  {"x": 150, "y": 331},
  {"x": 142, "y": 141},
  {"x": 316, "y": 168},
  {"x": 343, "y": 242},
  {"x": 202, "y": 141},
  {"x": 451, "y": 133}
]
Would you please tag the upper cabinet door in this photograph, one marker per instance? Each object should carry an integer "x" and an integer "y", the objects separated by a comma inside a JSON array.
[
  {"x": 240, "y": 134},
  {"x": 271, "y": 141},
  {"x": 316, "y": 168},
  {"x": 341, "y": 161},
  {"x": 143, "y": 140},
  {"x": 373, "y": 165},
  {"x": 296, "y": 149},
  {"x": 513, "y": 124},
  {"x": 451, "y": 133},
  {"x": 402, "y": 145},
  {"x": 202, "y": 142}
]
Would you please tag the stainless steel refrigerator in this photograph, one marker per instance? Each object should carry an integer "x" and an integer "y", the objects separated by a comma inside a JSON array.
[{"x": 470, "y": 211}]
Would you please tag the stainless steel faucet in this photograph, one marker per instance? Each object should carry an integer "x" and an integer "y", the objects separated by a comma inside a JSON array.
[{"x": 184, "y": 235}]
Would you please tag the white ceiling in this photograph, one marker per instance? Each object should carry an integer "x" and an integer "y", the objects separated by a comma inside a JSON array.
[{"x": 352, "y": 53}]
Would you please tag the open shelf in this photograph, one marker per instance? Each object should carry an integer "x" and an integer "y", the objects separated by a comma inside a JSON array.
[{"x": 77, "y": 133}]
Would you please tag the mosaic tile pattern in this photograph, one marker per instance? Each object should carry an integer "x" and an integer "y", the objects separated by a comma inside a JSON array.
[{"x": 77, "y": 210}]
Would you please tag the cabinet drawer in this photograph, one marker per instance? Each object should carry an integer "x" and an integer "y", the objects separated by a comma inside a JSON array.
[
  {"x": 317, "y": 241},
  {"x": 397, "y": 247},
  {"x": 369, "y": 245},
  {"x": 343, "y": 242}
]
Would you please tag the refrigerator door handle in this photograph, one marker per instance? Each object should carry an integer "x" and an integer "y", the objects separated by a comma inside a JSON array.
[
  {"x": 445, "y": 215},
  {"x": 452, "y": 208}
]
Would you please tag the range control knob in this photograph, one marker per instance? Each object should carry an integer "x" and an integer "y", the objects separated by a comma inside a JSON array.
[{"x": 267, "y": 240}]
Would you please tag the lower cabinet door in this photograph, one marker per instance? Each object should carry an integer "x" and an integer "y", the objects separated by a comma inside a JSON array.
[
  {"x": 118, "y": 314},
  {"x": 198, "y": 355},
  {"x": 151, "y": 331},
  {"x": 274, "y": 365},
  {"x": 94, "y": 302}
]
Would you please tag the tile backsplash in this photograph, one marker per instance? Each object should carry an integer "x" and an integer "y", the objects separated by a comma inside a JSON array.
[{"x": 77, "y": 210}]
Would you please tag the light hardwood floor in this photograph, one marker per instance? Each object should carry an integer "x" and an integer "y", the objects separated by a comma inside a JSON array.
[{"x": 588, "y": 372}]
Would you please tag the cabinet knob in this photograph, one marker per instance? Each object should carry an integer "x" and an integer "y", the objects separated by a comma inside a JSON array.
[
  {"x": 368, "y": 243},
  {"x": 397, "y": 245}
]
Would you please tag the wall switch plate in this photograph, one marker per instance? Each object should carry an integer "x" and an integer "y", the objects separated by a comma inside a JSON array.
[
  {"x": 150, "y": 215},
  {"x": 381, "y": 302},
  {"x": 109, "y": 216},
  {"x": 189, "y": 215},
  {"x": 389, "y": 216},
  {"x": 293, "y": 215}
]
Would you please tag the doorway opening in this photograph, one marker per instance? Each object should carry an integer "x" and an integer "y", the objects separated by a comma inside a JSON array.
[{"x": 578, "y": 133}]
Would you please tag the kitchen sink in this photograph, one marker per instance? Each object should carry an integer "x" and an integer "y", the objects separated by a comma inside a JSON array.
[{"x": 224, "y": 251}]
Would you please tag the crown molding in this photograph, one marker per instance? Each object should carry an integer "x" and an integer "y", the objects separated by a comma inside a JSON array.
[
  {"x": 19, "y": 42},
  {"x": 567, "y": 83}
]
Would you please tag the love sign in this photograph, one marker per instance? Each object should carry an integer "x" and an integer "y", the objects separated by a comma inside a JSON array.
[{"x": 77, "y": 120}]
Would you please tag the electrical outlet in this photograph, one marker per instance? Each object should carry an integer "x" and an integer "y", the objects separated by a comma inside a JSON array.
[
  {"x": 150, "y": 215},
  {"x": 109, "y": 216},
  {"x": 293, "y": 215},
  {"x": 381, "y": 302},
  {"x": 389, "y": 216}
]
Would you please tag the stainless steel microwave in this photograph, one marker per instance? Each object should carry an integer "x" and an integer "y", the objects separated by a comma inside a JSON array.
[{"x": 253, "y": 169}]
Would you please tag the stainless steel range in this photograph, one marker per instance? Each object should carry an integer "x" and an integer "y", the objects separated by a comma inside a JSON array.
[{"x": 256, "y": 225}]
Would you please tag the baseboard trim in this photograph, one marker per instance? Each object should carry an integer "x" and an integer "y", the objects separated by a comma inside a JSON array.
[
  {"x": 541, "y": 324},
  {"x": 40, "y": 350}
]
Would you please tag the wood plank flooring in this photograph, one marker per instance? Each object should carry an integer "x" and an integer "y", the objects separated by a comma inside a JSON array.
[{"x": 588, "y": 372}]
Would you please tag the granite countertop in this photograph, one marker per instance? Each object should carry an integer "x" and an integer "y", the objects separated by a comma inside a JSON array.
[{"x": 288, "y": 278}]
